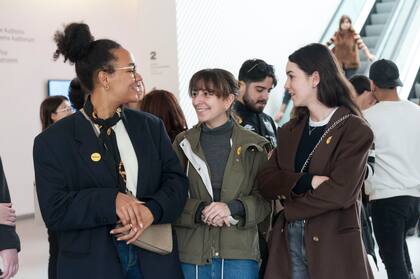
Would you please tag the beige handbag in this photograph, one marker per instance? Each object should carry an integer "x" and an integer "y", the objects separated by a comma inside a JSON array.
[{"x": 156, "y": 239}]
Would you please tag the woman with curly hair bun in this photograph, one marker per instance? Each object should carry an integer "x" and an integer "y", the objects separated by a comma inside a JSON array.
[{"x": 105, "y": 166}]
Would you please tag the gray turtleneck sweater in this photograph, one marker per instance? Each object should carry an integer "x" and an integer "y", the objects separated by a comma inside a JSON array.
[{"x": 216, "y": 146}]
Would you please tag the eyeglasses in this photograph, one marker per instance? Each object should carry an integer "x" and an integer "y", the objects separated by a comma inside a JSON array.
[
  {"x": 65, "y": 109},
  {"x": 131, "y": 69}
]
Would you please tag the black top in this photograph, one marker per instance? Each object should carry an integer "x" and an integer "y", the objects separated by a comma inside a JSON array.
[
  {"x": 8, "y": 237},
  {"x": 259, "y": 123},
  {"x": 306, "y": 145}
]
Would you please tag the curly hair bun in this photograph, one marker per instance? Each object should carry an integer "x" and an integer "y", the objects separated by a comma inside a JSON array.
[{"x": 74, "y": 42}]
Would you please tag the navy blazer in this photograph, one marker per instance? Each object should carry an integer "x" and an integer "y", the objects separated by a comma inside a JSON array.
[
  {"x": 8, "y": 237},
  {"x": 77, "y": 194}
]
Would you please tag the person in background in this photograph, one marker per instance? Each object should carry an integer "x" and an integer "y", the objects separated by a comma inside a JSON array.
[
  {"x": 394, "y": 190},
  {"x": 364, "y": 96},
  {"x": 53, "y": 109},
  {"x": 256, "y": 80},
  {"x": 77, "y": 94},
  {"x": 217, "y": 230},
  {"x": 364, "y": 99},
  {"x": 107, "y": 165},
  {"x": 9, "y": 240},
  {"x": 164, "y": 105},
  {"x": 317, "y": 171},
  {"x": 346, "y": 47}
]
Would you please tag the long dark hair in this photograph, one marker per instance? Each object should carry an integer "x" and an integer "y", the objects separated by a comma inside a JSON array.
[
  {"x": 164, "y": 105},
  {"x": 77, "y": 45},
  {"x": 48, "y": 107},
  {"x": 334, "y": 89}
]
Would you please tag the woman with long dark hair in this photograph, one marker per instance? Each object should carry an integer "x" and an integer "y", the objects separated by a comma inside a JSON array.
[
  {"x": 106, "y": 166},
  {"x": 164, "y": 105},
  {"x": 317, "y": 172}
]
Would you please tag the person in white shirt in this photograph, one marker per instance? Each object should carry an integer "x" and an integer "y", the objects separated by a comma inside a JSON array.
[{"x": 394, "y": 189}]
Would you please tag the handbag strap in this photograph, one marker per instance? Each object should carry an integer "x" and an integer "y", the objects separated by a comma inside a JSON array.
[{"x": 305, "y": 165}]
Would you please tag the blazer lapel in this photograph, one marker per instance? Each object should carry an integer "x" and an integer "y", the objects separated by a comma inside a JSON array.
[{"x": 92, "y": 153}]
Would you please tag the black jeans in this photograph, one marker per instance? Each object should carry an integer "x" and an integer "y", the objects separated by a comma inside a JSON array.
[{"x": 391, "y": 218}]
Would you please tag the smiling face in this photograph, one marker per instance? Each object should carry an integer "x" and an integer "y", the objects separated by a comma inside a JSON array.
[
  {"x": 123, "y": 83},
  {"x": 302, "y": 88},
  {"x": 256, "y": 94},
  {"x": 210, "y": 109}
]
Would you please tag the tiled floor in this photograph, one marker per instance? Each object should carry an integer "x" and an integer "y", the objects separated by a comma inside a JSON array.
[{"x": 34, "y": 256}]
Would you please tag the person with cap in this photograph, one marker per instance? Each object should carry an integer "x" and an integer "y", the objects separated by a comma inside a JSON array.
[{"x": 394, "y": 189}]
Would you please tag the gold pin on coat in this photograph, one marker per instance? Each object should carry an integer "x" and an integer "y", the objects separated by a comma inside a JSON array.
[
  {"x": 328, "y": 141},
  {"x": 96, "y": 157},
  {"x": 238, "y": 151}
]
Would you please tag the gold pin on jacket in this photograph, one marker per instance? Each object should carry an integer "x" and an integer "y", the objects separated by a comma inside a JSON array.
[
  {"x": 96, "y": 157},
  {"x": 328, "y": 141},
  {"x": 238, "y": 151}
]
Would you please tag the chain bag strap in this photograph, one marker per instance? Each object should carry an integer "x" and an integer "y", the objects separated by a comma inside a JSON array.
[{"x": 305, "y": 165}]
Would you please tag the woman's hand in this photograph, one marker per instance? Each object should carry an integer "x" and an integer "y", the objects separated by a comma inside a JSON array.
[
  {"x": 7, "y": 214},
  {"x": 318, "y": 180},
  {"x": 216, "y": 214},
  {"x": 130, "y": 232},
  {"x": 10, "y": 263}
]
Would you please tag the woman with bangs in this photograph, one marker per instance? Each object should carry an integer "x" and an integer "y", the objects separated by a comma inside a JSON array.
[{"x": 217, "y": 231}]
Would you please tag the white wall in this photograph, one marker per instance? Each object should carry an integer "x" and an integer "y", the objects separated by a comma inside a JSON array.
[{"x": 186, "y": 36}]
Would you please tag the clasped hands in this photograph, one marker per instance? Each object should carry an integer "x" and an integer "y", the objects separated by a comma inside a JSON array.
[
  {"x": 133, "y": 216},
  {"x": 216, "y": 214}
]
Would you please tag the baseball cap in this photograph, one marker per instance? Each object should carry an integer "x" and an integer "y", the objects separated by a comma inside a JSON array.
[{"x": 384, "y": 73}]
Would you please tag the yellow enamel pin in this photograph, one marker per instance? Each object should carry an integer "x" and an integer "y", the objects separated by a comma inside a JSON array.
[
  {"x": 96, "y": 157},
  {"x": 328, "y": 141},
  {"x": 238, "y": 151}
]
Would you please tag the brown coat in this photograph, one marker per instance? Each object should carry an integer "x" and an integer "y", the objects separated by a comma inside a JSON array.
[
  {"x": 346, "y": 48},
  {"x": 333, "y": 239}
]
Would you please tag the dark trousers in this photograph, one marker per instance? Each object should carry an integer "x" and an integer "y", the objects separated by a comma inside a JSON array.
[
  {"x": 52, "y": 262},
  {"x": 391, "y": 218}
]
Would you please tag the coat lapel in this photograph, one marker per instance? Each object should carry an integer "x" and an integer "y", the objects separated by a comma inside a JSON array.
[
  {"x": 92, "y": 153},
  {"x": 288, "y": 143}
]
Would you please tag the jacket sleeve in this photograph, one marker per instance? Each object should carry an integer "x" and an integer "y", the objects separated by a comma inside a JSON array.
[
  {"x": 8, "y": 236},
  {"x": 173, "y": 190},
  {"x": 61, "y": 208},
  {"x": 275, "y": 182},
  {"x": 256, "y": 207},
  {"x": 346, "y": 178}
]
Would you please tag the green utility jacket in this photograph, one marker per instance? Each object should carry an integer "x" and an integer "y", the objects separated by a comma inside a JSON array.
[{"x": 199, "y": 243}]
